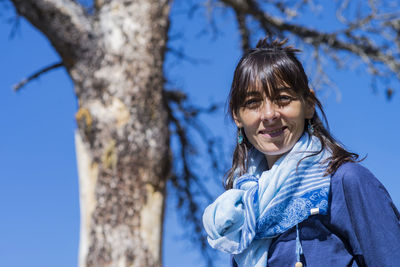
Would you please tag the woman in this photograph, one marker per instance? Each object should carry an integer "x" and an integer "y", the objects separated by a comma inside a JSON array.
[{"x": 295, "y": 196}]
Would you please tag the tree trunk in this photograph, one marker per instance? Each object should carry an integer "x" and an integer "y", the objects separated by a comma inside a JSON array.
[
  {"x": 122, "y": 141},
  {"x": 115, "y": 59}
]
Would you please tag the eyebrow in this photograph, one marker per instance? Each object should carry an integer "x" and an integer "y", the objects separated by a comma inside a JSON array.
[
  {"x": 284, "y": 88},
  {"x": 253, "y": 93},
  {"x": 258, "y": 93}
]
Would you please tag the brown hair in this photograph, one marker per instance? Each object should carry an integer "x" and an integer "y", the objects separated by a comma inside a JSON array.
[{"x": 265, "y": 68}]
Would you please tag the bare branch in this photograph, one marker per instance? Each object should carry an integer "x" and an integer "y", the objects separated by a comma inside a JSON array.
[
  {"x": 340, "y": 10},
  {"x": 188, "y": 183},
  {"x": 180, "y": 54},
  {"x": 357, "y": 45},
  {"x": 15, "y": 26},
  {"x": 64, "y": 22},
  {"x": 36, "y": 75},
  {"x": 243, "y": 30},
  {"x": 210, "y": 6}
]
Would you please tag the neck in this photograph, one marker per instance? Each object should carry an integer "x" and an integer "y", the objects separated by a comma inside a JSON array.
[{"x": 271, "y": 159}]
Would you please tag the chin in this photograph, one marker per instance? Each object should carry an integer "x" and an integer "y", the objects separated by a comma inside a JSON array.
[{"x": 275, "y": 151}]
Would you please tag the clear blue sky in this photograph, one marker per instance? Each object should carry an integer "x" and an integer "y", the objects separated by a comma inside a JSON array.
[{"x": 39, "y": 200}]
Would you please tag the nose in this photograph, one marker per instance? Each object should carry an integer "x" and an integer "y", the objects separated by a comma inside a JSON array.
[{"x": 269, "y": 111}]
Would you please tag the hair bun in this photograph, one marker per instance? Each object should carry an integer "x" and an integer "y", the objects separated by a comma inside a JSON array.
[{"x": 275, "y": 46}]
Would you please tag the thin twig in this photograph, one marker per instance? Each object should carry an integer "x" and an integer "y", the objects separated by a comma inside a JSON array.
[
  {"x": 36, "y": 75},
  {"x": 180, "y": 54}
]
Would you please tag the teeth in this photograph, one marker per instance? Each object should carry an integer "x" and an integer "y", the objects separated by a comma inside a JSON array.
[{"x": 273, "y": 132}]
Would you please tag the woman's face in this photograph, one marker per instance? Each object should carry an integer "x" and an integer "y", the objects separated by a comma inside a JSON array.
[{"x": 273, "y": 126}]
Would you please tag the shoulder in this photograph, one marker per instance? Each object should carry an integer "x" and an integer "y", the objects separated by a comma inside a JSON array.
[
  {"x": 351, "y": 169},
  {"x": 354, "y": 174},
  {"x": 356, "y": 181}
]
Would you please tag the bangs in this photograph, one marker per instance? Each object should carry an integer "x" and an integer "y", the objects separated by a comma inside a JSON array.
[{"x": 266, "y": 73}]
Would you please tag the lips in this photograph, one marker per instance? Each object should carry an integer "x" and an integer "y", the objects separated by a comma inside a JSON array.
[{"x": 273, "y": 132}]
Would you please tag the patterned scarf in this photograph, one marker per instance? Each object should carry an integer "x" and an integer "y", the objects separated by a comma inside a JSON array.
[{"x": 265, "y": 203}]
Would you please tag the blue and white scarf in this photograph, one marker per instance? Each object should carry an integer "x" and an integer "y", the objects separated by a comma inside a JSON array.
[{"x": 265, "y": 203}]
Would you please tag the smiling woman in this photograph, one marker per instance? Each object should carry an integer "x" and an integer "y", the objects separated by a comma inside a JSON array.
[
  {"x": 273, "y": 126},
  {"x": 294, "y": 195},
  {"x": 271, "y": 101}
]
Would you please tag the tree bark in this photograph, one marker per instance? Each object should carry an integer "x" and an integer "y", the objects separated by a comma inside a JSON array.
[{"x": 115, "y": 59}]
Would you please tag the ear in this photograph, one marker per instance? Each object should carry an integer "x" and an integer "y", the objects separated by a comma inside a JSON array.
[
  {"x": 310, "y": 107},
  {"x": 237, "y": 120},
  {"x": 310, "y": 110}
]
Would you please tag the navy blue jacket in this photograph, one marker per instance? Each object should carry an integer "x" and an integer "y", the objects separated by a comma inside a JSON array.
[{"x": 361, "y": 229}]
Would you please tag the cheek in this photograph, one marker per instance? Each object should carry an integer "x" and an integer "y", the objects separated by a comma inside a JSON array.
[
  {"x": 296, "y": 118},
  {"x": 250, "y": 121},
  {"x": 250, "y": 130},
  {"x": 295, "y": 111}
]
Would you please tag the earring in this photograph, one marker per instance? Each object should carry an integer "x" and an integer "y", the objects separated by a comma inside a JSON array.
[
  {"x": 310, "y": 127},
  {"x": 240, "y": 136}
]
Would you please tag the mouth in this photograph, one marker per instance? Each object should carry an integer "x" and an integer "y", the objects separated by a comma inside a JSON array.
[{"x": 273, "y": 132}]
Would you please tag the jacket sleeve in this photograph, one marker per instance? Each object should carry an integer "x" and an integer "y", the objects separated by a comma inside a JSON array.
[{"x": 374, "y": 217}]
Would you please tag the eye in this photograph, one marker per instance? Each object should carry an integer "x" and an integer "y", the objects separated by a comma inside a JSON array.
[
  {"x": 252, "y": 103},
  {"x": 283, "y": 100}
]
